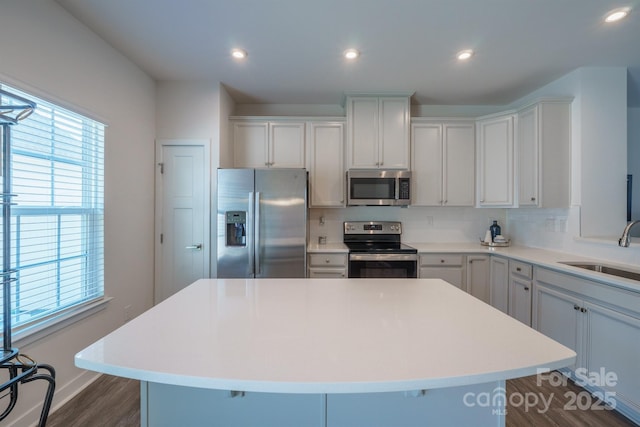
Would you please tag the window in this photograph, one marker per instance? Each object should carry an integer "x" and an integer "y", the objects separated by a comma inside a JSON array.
[{"x": 57, "y": 220}]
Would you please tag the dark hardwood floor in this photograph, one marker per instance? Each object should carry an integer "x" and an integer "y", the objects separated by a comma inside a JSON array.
[
  {"x": 112, "y": 401},
  {"x": 107, "y": 402}
]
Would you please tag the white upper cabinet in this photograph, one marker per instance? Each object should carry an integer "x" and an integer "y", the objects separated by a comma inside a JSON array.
[
  {"x": 544, "y": 154},
  {"x": 326, "y": 164},
  {"x": 495, "y": 145},
  {"x": 266, "y": 144},
  {"x": 378, "y": 132},
  {"x": 443, "y": 163}
]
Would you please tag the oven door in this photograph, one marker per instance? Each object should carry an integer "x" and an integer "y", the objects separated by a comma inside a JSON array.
[{"x": 370, "y": 265}]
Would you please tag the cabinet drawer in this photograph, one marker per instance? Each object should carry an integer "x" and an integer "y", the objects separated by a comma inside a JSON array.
[
  {"x": 328, "y": 260},
  {"x": 327, "y": 273},
  {"x": 441, "y": 259},
  {"x": 521, "y": 269}
]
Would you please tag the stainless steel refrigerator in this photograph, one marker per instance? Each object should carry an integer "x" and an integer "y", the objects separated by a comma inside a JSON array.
[{"x": 262, "y": 222}]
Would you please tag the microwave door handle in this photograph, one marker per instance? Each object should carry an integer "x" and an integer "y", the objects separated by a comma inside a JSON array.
[{"x": 396, "y": 183}]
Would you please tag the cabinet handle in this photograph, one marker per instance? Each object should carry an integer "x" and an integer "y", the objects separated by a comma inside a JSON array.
[
  {"x": 583, "y": 310},
  {"x": 445, "y": 202},
  {"x": 482, "y": 201},
  {"x": 526, "y": 288},
  {"x": 533, "y": 199},
  {"x": 575, "y": 307},
  {"x": 518, "y": 269},
  {"x": 327, "y": 260}
]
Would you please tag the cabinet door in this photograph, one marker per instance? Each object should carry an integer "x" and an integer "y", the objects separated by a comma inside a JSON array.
[
  {"x": 453, "y": 275},
  {"x": 426, "y": 167},
  {"x": 250, "y": 144},
  {"x": 614, "y": 344},
  {"x": 557, "y": 315},
  {"x": 286, "y": 145},
  {"x": 459, "y": 164},
  {"x": 499, "y": 291},
  {"x": 362, "y": 133},
  {"x": 478, "y": 283},
  {"x": 528, "y": 158},
  {"x": 495, "y": 161},
  {"x": 520, "y": 299},
  {"x": 326, "y": 165},
  {"x": 393, "y": 137},
  {"x": 555, "y": 154}
]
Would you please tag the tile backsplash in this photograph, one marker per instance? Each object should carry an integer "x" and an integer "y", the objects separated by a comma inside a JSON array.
[
  {"x": 553, "y": 229},
  {"x": 420, "y": 224}
]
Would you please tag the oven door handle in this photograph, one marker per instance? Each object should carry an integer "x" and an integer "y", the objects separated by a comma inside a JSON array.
[{"x": 382, "y": 257}]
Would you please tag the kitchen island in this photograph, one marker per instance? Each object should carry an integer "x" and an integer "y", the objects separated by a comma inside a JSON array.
[{"x": 323, "y": 352}]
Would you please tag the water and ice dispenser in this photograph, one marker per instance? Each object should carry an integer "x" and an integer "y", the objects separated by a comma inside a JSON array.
[{"x": 236, "y": 229}]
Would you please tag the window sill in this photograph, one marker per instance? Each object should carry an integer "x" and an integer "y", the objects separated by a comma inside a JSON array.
[{"x": 40, "y": 330}]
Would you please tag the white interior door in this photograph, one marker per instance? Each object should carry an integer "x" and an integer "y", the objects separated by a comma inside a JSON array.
[{"x": 182, "y": 216}]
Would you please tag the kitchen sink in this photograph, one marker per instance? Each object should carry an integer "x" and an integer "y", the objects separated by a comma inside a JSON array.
[{"x": 606, "y": 269}]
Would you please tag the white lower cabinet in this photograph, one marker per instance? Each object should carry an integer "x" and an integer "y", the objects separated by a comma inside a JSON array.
[
  {"x": 499, "y": 289},
  {"x": 448, "y": 267},
  {"x": 557, "y": 316},
  {"x": 613, "y": 344},
  {"x": 327, "y": 265},
  {"x": 601, "y": 324},
  {"x": 478, "y": 277},
  {"x": 520, "y": 284}
]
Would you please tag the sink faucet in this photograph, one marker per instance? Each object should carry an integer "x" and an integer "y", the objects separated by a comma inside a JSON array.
[{"x": 624, "y": 240}]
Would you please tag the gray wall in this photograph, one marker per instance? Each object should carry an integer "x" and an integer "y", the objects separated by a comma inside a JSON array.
[{"x": 49, "y": 53}]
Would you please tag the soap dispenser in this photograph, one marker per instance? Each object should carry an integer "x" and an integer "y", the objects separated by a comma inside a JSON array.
[{"x": 495, "y": 230}]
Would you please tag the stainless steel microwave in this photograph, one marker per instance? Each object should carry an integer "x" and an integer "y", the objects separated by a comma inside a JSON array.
[{"x": 377, "y": 187}]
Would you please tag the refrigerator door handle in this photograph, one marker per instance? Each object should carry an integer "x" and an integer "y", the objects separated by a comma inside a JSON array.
[
  {"x": 257, "y": 234},
  {"x": 250, "y": 234}
]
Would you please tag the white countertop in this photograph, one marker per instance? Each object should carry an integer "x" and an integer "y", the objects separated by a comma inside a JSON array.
[
  {"x": 541, "y": 257},
  {"x": 323, "y": 336},
  {"x": 337, "y": 247}
]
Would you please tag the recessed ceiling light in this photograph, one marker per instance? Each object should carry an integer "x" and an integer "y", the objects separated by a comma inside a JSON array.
[
  {"x": 239, "y": 53},
  {"x": 351, "y": 53},
  {"x": 617, "y": 14},
  {"x": 463, "y": 55}
]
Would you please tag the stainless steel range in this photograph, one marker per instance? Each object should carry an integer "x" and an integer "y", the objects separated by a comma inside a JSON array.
[{"x": 375, "y": 250}]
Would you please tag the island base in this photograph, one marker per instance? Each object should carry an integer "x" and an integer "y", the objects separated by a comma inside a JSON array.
[{"x": 477, "y": 405}]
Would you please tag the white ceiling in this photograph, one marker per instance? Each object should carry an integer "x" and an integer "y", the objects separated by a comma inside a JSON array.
[{"x": 295, "y": 46}]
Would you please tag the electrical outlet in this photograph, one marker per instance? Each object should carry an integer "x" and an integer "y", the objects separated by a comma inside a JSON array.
[
  {"x": 550, "y": 224},
  {"x": 561, "y": 224}
]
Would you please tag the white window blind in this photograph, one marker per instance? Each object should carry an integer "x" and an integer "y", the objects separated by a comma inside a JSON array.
[{"x": 57, "y": 222}]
